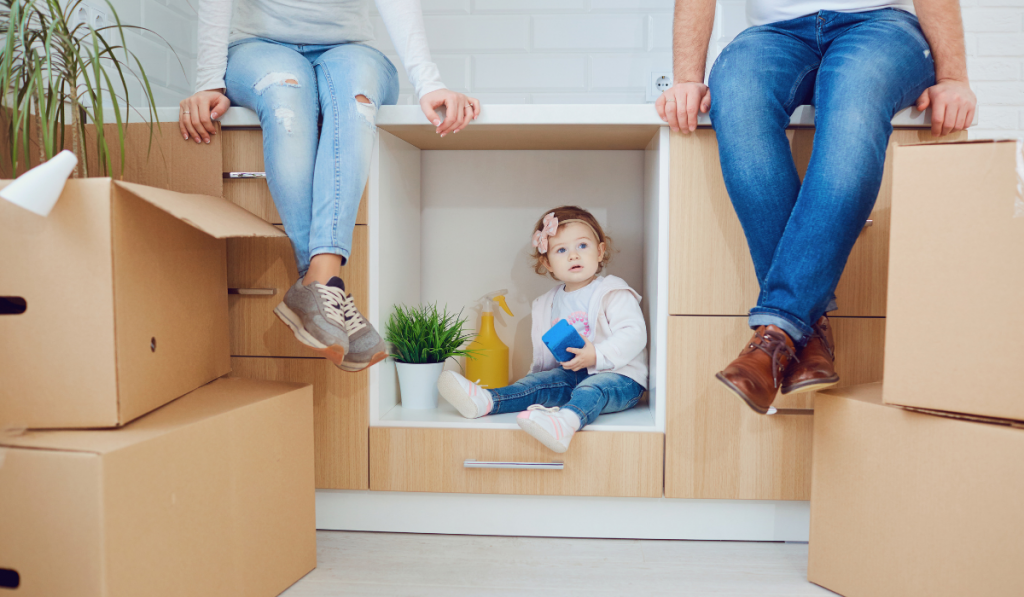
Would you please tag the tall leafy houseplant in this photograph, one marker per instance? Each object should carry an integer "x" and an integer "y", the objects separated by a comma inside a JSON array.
[
  {"x": 51, "y": 70},
  {"x": 422, "y": 339}
]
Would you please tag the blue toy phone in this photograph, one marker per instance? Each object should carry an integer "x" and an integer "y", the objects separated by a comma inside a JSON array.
[{"x": 562, "y": 336}]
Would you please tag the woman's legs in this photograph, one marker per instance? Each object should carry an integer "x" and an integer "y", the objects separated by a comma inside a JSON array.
[
  {"x": 279, "y": 84},
  {"x": 352, "y": 81}
]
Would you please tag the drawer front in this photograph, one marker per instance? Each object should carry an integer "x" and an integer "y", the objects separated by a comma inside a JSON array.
[
  {"x": 340, "y": 414},
  {"x": 260, "y": 264},
  {"x": 243, "y": 152},
  {"x": 598, "y": 463},
  {"x": 710, "y": 268},
  {"x": 716, "y": 446}
]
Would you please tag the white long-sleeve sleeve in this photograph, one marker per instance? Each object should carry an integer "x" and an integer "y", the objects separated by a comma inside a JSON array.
[
  {"x": 404, "y": 22},
  {"x": 627, "y": 332},
  {"x": 316, "y": 22},
  {"x": 212, "y": 46}
]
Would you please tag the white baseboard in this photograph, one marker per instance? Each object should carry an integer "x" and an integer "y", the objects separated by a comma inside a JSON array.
[{"x": 551, "y": 516}]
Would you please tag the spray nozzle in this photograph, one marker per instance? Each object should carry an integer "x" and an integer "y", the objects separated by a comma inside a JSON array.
[{"x": 497, "y": 296}]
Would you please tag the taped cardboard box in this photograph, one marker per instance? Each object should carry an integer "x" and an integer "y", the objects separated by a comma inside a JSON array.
[
  {"x": 115, "y": 304},
  {"x": 956, "y": 279},
  {"x": 907, "y": 504},
  {"x": 211, "y": 495}
]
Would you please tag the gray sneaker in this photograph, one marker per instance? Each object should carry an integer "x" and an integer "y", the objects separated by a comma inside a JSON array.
[
  {"x": 366, "y": 347},
  {"x": 314, "y": 313}
]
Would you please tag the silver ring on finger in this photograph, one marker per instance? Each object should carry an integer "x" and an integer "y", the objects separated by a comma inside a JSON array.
[{"x": 187, "y": 112}]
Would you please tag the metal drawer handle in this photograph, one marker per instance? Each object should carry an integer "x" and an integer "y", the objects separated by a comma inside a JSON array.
[
  {"x": 245, "y": 175},
  {"x": 253, "y": 291},
  {"x": 790, "y": 411},
  {"x": 869, "y": 223},
  {"x": 537, "y": 466}
]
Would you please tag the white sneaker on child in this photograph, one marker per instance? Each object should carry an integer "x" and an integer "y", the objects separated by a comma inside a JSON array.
[
  {"x": 469, "y": 399},
  {"x": 550, "y": 426}
]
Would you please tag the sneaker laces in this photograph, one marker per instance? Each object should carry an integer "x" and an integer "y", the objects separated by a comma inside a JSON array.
[
  {"x": 334, "y": 301},
  {"x": 353, "y": 318},
  {"x": 551, "y": 410},
  {"x": 776, "y": 348}
]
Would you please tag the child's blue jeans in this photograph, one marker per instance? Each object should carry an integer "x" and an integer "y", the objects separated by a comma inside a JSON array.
[
  {"x": 584, "y": 394},
  {"x": 316, "y": 177}
]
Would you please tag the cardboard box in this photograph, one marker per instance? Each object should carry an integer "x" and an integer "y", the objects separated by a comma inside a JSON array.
[
  {"x": 906, "y": 504},
  {"x": 956, "y": 279},
  {"x": 211, "y": 495},
  {"x": 124, "y": 297}
]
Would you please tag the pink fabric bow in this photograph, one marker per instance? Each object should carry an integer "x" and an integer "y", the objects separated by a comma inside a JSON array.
[{"x": 540, "y": 237}]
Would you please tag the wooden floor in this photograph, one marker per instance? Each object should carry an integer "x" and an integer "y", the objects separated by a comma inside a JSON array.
[{"x": 398, "y": 564}]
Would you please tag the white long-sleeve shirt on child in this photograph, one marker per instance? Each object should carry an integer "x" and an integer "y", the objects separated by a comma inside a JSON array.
[
  {"x": 615, "y": 322},
  {"x": 314, "y": 22}
]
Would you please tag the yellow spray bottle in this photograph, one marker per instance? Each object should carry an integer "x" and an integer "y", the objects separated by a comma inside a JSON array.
[{"x": 488, "y": 366}]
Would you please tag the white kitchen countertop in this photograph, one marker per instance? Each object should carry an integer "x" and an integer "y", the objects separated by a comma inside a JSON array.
[{"x": 561, "y": 114}]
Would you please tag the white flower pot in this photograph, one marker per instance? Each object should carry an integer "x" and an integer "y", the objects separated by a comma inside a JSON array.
[{"x": 418, "y": 384}]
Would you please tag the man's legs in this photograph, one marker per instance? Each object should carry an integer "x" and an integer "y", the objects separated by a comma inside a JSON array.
[
  {"x": 874, "y": 65},
  {"x": 756, "y": 83}
]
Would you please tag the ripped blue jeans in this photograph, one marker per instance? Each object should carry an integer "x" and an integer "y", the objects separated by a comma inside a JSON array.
[{"x": 316, "y": 175}]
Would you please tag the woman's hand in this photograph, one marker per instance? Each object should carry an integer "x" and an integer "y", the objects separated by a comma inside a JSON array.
[
  {"x": 586, "y": 357},
  {"x": 459, "y": 110},
  {"x": 197, "y": 113}
]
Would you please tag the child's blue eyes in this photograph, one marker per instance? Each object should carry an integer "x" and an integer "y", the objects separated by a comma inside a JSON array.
[
  {"x": 583, "y": 245},
  {"x": 561, "y": 250},
  {"x": 580, "y": 247}
]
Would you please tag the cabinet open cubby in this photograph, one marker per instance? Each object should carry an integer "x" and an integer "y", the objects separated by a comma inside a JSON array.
[{"x": 451, "y": 219}]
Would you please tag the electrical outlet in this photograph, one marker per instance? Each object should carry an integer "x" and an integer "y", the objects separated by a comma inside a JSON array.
[
  {"x": 89, "y": 16},
  {"x": 658, "y": 82}
]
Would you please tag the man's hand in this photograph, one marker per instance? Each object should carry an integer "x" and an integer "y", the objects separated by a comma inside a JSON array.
[
  {"x": 198, "y": 111},
  {"x": 952, "y": 103},
  {"x": 679, "y": 104},
  {"x": 586, "y": 357},
  {"x": 459, "y": 110}
]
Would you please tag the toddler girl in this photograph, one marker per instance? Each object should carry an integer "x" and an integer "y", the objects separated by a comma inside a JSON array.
[{"x": 607, "y": 375}]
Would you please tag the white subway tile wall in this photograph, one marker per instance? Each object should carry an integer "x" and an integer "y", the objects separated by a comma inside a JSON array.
[{"x": 579, "y": 51}]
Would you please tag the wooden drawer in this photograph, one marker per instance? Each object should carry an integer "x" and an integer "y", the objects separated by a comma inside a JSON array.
[
  {"x": 340, "y": 414},
  {"x": 710, "y": 271},
  {"x": 599, "y": 463},
  {"x": 269, "y": 263},
  {"x": 716, "y": 446},
  {"x": 243, "y": 152}
]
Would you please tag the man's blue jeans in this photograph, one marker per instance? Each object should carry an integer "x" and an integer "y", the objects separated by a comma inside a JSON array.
[
  {"x": 316, "y": 177},
  {"x": 586, "y": 395},
  {"x": 858, "y": 70}
]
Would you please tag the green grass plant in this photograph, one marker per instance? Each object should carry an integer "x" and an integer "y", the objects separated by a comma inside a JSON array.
[{"x": 425, "y": 334}]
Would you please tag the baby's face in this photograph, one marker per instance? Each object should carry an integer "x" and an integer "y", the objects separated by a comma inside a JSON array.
[{"x": 574, "y": 253}]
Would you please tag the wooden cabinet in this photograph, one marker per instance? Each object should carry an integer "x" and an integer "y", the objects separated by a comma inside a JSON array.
[
  {"x": 710, "y": 268},
  {"x": 716, "y": 446},
  {"x": 339, "y": 414},
  {"x": 243, "y": 152},
  {"x": 268, "y": 264},
  {"x": 620, "y": 464}
]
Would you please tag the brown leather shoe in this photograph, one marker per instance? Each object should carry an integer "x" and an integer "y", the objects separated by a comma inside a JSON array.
[
  {"x": 755, "y": 375},
  {"x": 815, "y": 367}
]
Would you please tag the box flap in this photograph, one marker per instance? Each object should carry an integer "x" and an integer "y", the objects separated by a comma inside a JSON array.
[
  {"x": 964, "y": 142},
  {"x": 215, "y": 216},
  {"x": 211, "y": 400},
  {"x": 872, "y": 394}
]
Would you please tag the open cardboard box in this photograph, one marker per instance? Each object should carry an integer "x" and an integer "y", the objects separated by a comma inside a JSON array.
[
  {"x": 907, "y": 504},
  {"x": 956, "y": 279},
  {"x": 115, "y": 304},
  {"x": 210, "y": 495}
]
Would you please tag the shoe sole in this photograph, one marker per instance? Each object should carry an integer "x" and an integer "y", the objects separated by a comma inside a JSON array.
[
  {"x": 741, "y": 395},
  {"x": 333, "y": 353},
  {"x": 813, "y": 385},
  {"x": 540, "y": 434},
  {"x": 450, "y": 389},
  {"x": 353, "y": 367}
]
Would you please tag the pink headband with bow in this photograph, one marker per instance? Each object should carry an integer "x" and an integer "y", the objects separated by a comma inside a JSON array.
[{"x": 550, "y": 228}]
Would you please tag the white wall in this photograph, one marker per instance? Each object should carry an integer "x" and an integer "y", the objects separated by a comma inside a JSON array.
[
  {"x": 584, "y": 51},
  {"x": 175, "y": 22}
]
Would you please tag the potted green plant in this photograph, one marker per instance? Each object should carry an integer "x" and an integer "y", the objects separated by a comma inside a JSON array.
[
  {"x": 422, "y": 339},
  {"x": 52, "y": 69}
]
